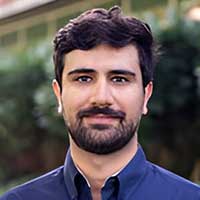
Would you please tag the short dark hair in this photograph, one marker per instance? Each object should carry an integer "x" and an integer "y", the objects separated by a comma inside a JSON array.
[{"x": 111, "y": 27}]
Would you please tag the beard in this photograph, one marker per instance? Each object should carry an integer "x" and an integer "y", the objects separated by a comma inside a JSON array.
[{"x": 102, "y": 138}]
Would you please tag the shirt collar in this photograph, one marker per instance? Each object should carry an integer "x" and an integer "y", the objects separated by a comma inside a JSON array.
[
  {"x": 70, "y": 173},
  {"x": 131, "y": 174}
]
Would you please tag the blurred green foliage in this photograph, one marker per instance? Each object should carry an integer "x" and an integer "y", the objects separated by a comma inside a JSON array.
[
  {"x": 175, "y": 109},
  {"x": 28, "y": 121},
  {"x": 33, "y": 137}
]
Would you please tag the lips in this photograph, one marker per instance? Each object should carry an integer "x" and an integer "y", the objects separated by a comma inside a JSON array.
[{"x": 100, "y": 119}]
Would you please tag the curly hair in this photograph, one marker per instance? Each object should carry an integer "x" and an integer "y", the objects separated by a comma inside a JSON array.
[{"x": 111, "y": 27}]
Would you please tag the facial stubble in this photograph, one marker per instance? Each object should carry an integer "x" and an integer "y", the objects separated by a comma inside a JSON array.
[{"x": 102, "y": 138}]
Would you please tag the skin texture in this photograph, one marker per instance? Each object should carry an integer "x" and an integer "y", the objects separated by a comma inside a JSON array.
[{"x": 103, "y": 77}]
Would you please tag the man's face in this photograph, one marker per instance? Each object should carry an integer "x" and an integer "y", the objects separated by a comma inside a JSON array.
[{"x": 102, "y": 97}]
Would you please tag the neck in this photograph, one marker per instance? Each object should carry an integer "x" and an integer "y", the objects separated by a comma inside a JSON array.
[{"x": 97, "y": 168}]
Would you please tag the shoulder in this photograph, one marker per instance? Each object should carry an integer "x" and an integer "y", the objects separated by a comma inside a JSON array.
[
  {"x": 38, "y": 188},
  {"x": 172, "y": 183}
]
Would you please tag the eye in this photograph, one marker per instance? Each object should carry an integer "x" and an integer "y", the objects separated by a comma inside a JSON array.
[
  {"x": 83, "y": 79},
  {"x": 119, "y": 79}
]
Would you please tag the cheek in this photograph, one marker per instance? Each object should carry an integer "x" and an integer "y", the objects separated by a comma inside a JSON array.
[
  {"x": 73, "y": 100},
  {"x": 132, "y": 104}
]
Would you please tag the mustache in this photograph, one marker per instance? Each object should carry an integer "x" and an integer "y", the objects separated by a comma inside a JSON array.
[{"x": 97, "y": 110}]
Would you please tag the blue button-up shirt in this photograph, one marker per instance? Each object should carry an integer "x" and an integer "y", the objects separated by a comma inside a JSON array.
[{"x": 139, "y": 180}]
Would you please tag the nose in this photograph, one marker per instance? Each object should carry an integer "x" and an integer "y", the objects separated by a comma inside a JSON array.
[{"x": 102, "y": 94}]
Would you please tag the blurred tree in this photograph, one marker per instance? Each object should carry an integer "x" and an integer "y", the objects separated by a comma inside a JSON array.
[
  {"x": 175, "y": 106},
  {"x": 25, "y": 134}
]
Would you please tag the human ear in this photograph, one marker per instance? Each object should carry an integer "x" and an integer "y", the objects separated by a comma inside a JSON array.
[
  {"x": 148, "y": 92},
  {"x": 57, "y": 92}
]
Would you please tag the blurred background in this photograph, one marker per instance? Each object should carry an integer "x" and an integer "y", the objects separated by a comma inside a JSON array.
[{"x": 33, "y": 138}]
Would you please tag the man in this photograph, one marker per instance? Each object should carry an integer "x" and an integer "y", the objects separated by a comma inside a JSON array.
[{"x": 104, "y": 72}]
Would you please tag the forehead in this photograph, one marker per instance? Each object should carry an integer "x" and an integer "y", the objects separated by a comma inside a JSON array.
[{"x": 103, "y": 57}]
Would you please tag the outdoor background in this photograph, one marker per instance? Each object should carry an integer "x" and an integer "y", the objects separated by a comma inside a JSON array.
[{"x": 33, "y": 138}]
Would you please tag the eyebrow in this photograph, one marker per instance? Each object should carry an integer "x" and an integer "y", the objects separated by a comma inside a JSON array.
[
  {"x": 122, "y": 72},
  {"x": 81, "y": 70},
  {"x": 115, "y": 71}
]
